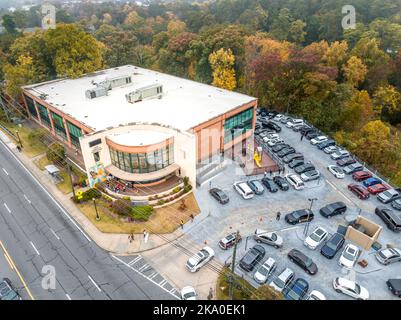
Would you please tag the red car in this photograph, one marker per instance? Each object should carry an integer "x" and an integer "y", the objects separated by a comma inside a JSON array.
[
  {"x": 360, "y": 191},
  {"x": 361, "y": 175},
  {"x": 377, "y": 188}
]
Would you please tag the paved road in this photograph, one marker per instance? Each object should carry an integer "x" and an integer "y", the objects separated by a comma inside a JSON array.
[{"x": 36, "y": 232}]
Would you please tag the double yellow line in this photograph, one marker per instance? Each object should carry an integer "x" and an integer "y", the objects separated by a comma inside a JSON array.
[{"x": 14, "y": 267}]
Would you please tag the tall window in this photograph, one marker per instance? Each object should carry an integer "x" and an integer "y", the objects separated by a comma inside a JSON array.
[
  {"x": 31, "y": 106},
  {"x": 240, "y": 122},
  {"x": 44, "y": 115},
  {"x": 59, "y": 125},
  {"x": 75, "y": 132},
  {"x": 143, "y": 162}
]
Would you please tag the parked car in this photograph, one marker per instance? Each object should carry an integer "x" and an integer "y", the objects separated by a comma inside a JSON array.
[
  {"x": 284, "y": 120},
  {"x": 360, "y": 191},
  {"x": 7, "y": 291},
  {"x": 299, "y": 216},
  {"x": 332, "y": 246},
  {"x": 295, "y": 163},
  {"x": 256, "y": 187},
  {"x": 305, "y": 167},
  {"x": 228, "y": 241},
  {"x": 281, "y": 182},
  {"x": 243, "y": 189},
  {"x": 389, "y": 195},
  {"x": 265, "y": 270},
  {"x": 378, "y": 188},
  {"x": 282, "y": 280},
  {"x": 279, "y": 147},
  {"x": 394, "y": 285},
  {"x": 310, "y": 175},
  {"x": 293, "y": 156},
  {"x": 349, "y": 256},
  {"x": 361, "y": 175},
  {"x": 271, "y": 137},
  {"x": 396, "y": 204},
  {"x": 325, "y": 144},
  {"x": 350, "y": 288},
  {"x": 316, "y": 295},
  {"x": 286, "y": 152},
  {"x": 295, "y": 181},
  {"x": 278, "y": 117},
  {"x": 296, "y": 290},
  {"x": 371, "y": 181},
  {"x": 333, "y": 209},
  {"x": 340, "y": 154},
  {"x": 389, "y": 217},
  {"x": 353, "y": 168},
  {"x": 188, "y": 293},
  {"x": 273, "y": 142},
  {"x": 318, "y": 139},
  {"x": 272, "y": 125},
  {"x": 252, "y": 258},
  {"x": 330, "y": 149},
  {"x": 297, "y": 127},
  {"x": 337, "y": 171},
  {"x": 294, "y": 122},
  {"x": 345, "y": 162},
  {"x": 311, "y": 135},
  {"x": 269, "y": 238},
  {"x": 316, "y": 238},
  {"x": 219, "y": 195},
  {"x": 388, "y": 255},
  {"x": 269, "y": 184},
  {"x": 303, "y": 261},
  {"x": 200, "y": 259},
  {"x": 305, "y": 129}
]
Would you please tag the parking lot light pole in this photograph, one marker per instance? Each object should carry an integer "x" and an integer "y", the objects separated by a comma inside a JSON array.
[
  {"x": 19, "y": 139},
  {"x": 233, "y": 266},
  {"x": 232, "y": 146},
  {"x": 306, "y": 228},
  {"x": 97, "y": 214}
]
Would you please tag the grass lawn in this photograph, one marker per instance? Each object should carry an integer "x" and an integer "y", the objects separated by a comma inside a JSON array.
[
  {"x": 163, "y": 220},
  {"x": 223, "y": 288}
]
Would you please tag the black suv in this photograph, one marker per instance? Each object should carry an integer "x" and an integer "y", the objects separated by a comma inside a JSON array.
[
  {"x": 281, "y": 183},
  {"x": 303, "y": 261},
  {"x": 269, "y": 184},
  {"x": 295, "y": 163},
  {"x": 252, "y": 258},
  {"x": 332, "y": 246},
  {"x": 394, "y": 285},
  {"x": 293, "y": 156},
  {"x": 311, "y": 135},
  {"x": 286, "y": 152},
  {"x": 219, "y": 195},
  {"x": 279, "y": 147},
  {"x": 390, "y": 218},
  {"x": 299, "y": 216},
  {"x": 271, "y": 125},
  {"x": 304, "y": 167},
  {"x": 333, "y": 209}
]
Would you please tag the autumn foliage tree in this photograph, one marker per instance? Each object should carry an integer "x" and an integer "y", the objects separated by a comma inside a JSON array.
[{"x": 222, "y": 63}]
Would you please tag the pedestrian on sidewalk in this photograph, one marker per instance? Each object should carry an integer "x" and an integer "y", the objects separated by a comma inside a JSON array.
[
  {"x": 182, "y": 224},
  {"x": 279, "y": 171},
  {"x": 302, "y": 136},
  {"x": 210, "y": 295},
  {"x": 271, "y": 172},
  {"x": 144, "y": 234},
  {"x": 265, "y": 175},
  {"x": 192, "y": 217},
  {"x": 278, "y": 216}
]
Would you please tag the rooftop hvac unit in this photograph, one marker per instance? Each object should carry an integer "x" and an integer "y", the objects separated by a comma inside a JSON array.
[
  {"x": 96, "y": 92},
  {"x": 110, "y": 83},
  {"x": 148, "y": 92}
]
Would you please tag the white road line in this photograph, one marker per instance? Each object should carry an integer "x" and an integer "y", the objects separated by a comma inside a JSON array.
[
  {"x": 142, "y": 275},
  {"x": 68, "y": 296},
  {"x": 26, "y": 198},
  {"x": 163, "y": 282},
  {"x": 287, "y": 229},
  {"x": 47, "y": 192},
  {"x": 134, "y": 260},
  {"x": 5, "y": 171},
  {"x": 154, "y": 274},
  {"x": 172, "y": 290},
  {"x": 57, "y": 237},
  {"x": 7, "y": 208},
  {"x": 94, "y": 283},
  {"x": 143, "y": 267},
  {"x": 334, "y": 187},
  {"x": 34, "y": 248}
]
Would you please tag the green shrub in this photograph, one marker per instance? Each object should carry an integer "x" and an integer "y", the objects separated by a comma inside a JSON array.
[
  {"x": 161, "y": 202},
  {"x": 107, "y": 198},
  {"x": 126, "y": 198},
  {"x": 37, "y": 135},
  {"x": 186, "y": 181},
  {"x": 187, "y": 188},
  {"x": 55, "y": 153},
  {"x": 141, "y": 213},
  {"x": 176, "y": 190},
  {"x": 90, "y": 194},
  {"x": 121, "y": 207}
]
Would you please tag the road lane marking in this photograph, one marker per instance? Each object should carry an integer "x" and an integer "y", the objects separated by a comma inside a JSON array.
[
  {"x": 7, "y": 208},
  {"x": 26, "y": 198},
  {"x": 47, "y": 192},
  {"x": 5, "y": 171},
  {"x": 9, "y": 261},
  {"x": 17, "y": 271},
  {"x": 94, "y": 283},
  {"x": 34, "y": 248},
  {"x": 57, "y": 237},
  {"x": 340, "y": 192},
  {"x": 68, "y": 296},
  {"x": 134, "y": 260}
]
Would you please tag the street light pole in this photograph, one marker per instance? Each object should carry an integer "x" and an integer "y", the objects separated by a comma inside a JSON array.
[
  {"x": 232, "y": 142},
  {"x": 233, "y": 266},
  {"x": 306, "y": 228},
  {"x": 19, "y": 139},
  {"x": 97, "y": 214}
]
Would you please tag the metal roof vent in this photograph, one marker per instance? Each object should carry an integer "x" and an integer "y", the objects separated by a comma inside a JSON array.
[{"x": 149, "y": 92}]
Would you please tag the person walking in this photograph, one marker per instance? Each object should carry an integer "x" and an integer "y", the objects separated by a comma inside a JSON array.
[
  {"x": 182, "y": 224},
  {"x": 278, "y": 216},
  {"x": 265, "y": 175},
  {"x": 302, "y": 136},
  {"x": 271, "y": 172}
]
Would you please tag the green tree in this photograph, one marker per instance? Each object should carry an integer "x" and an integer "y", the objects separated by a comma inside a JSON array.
[
  {"x": 9, "y": 24},
  {"x": 21, "y": 73}
]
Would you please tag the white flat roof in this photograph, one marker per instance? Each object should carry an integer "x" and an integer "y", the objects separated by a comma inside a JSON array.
[
  {"x": 185, "y": 103},
  {"x": 135, "y": 138}
]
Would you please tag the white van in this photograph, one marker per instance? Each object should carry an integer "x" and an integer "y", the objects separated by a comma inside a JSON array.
[
  {"x": 243, "y": 189},
  {"x": 294, "y": 122},
  {"x": 295, "y": 181}
]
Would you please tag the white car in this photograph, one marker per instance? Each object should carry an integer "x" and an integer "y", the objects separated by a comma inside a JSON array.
[
  {"x": 243, "y": 189},
  {"x": 337, "y": 171},
  {"x": 200, "y": 259},
  {"x": 316, "y": 238},
  {"x": 294, "y": 122},
  {"x": 265, "y": 270},
  {"x": 295, "y": 181},
  {"x": 271, "y": 136},
  {"x": 188, "y": 293},
  {"x": 350, "y": 288},
  {"x": 318, "y": 140},
  {"x": 316, "y": 295},
  {"x": 278, "y": 117},
  {"x": 273, "y": 142},
  {"x": 349, "y": 256},
  {"x": 330, "y": 149},
  {"x": 340, "y": 154}
]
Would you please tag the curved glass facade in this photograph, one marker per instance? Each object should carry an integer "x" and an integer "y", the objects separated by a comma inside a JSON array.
[{"x": 143, "y": 162}]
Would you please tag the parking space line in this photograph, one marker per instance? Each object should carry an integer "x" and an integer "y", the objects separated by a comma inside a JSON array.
[
  {"x": 143, "y": 267},
  {"x": 54, "y": 233},
  {"x": 34, "y": 248},
  {"x": 5, "y": 171},
  {"x": 68, "y": 296},
  {"x": 163, "y": 282},
  {"x": 7, "y": 208},
  {"x": 26, "y": 198},
  {"x": 94, "y": 283},
  {"x": 153, "y": 275},
  {"x": 9, "y": 261},
  {"x": 134, "y": 260},
  {"x": 340, "y": 192}
]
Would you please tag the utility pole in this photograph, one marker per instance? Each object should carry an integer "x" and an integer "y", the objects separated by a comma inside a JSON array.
[
  {"x": 306, "y": 228},
  {"x": 233, "y": 266}
]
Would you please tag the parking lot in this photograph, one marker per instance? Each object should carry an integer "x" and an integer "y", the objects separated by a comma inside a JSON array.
[{"x": 260, "y": 212}]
